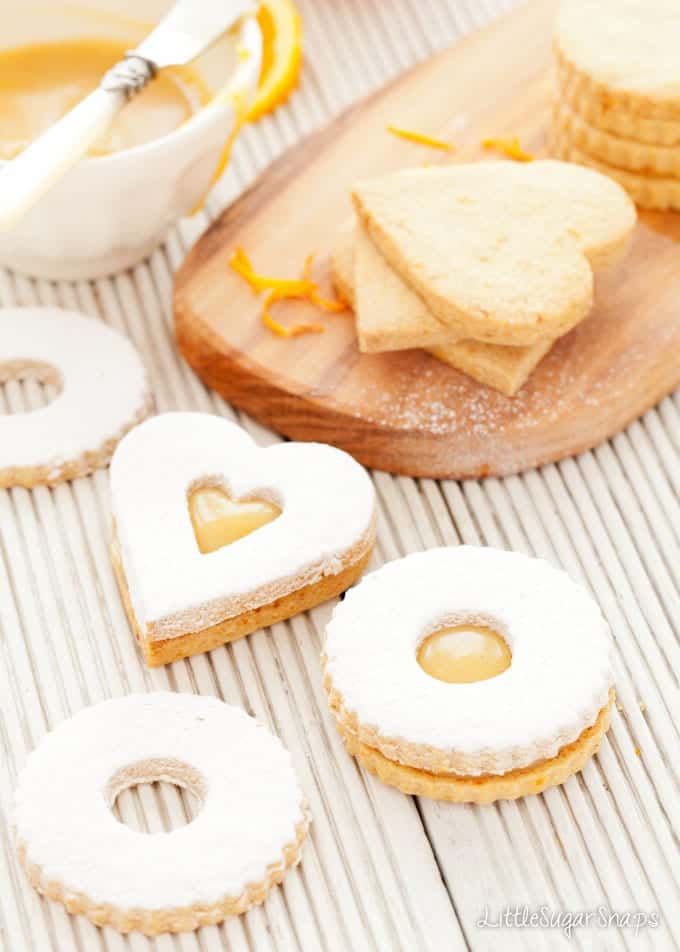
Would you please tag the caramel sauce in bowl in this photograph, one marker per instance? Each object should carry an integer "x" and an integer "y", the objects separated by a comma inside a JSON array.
[{"x": 158, "y": 160}]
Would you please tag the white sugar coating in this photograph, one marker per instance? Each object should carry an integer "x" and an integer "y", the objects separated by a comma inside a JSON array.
[
  {"x": 557, "y": 682},
  {"x": 104, "y": 385},
  {"x": 327, "y": 502},
  {"x": 252, "y": 802}
]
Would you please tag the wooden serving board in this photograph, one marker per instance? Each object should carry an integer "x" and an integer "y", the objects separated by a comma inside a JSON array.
[{"x": 407, "y": 412}]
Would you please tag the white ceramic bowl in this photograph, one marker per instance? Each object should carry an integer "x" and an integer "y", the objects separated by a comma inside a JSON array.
[{"x": 110, "y": 212}]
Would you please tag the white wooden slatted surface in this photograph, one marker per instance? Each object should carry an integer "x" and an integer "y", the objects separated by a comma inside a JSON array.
[{"x": 381, "y": 871}]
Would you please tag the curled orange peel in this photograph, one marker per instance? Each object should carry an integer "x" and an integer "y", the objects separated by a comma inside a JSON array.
[
  {"x": 284, "y": 287},
  {"x": 421, "y": 139},
  {"x": 510, "y": 148},
  {"x": 280, "y": 289},
  {"x": 294, "y": 330}
]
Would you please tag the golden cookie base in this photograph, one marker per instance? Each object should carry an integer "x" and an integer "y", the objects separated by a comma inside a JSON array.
[
  {"x": 164, "y": 651},
  {"x": 486, "y": 788},
  {"x": 30, "y": 476},
  {"x": 180, "y": 919}
]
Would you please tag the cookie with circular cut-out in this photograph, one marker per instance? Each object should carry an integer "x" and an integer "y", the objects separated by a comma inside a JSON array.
[
  {"x": 249, "y": 830},
  {"x": 103, "y": 392},
  {"x": 469, "y": 674}
]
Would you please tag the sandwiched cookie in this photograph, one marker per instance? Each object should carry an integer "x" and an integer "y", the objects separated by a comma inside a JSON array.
[
  {"x": 469, "y": 674},
  {"x": 214, "y": 537}
]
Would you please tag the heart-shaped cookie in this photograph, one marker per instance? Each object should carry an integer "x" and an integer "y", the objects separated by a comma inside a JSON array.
[
  {"x": 305, "y": 531},
  {"x": 499, "y": 251}
]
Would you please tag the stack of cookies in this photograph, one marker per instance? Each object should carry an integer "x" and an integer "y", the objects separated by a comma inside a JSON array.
[
  {"x": 617, "y": 103},
  {"x": 484, "y": 265}
]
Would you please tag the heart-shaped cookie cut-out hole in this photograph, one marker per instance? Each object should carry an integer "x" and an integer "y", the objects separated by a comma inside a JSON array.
[
  {"x": 464, "y": 654},
  {"x": 219, "y": 520}
]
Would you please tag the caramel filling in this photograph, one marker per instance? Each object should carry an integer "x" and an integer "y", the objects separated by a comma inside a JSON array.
[
  {"x": 219, "y": 520},
  {"x": 41, "y": 82},
  {"x": 463, "y": 654}
]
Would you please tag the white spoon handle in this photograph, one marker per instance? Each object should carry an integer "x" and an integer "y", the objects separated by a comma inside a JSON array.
[{"x": 26, "y": 179}]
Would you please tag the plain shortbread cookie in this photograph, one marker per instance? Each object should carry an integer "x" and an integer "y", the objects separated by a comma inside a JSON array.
[
  {"x": 500, "y": 252},
  {"x": 647, "y": 191},
  {"x": 617, "y": 120},
  {"x": 623, "y": 53},
  {"x": 506, "y": 369},
  {"x": 639, "y": 157}
]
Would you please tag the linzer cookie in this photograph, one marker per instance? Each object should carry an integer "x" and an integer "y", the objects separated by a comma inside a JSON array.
[
  {"x": 215, "y": 538},
  {"x": 103, "y": 391},
  {"x": 469, "y": 674},
  {"x": 252, "y": 822}
]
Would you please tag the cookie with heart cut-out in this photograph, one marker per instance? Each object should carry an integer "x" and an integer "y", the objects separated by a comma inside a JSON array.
[
  {"x": 500, "y": 252},
  {"x": 215, "y": 538}
]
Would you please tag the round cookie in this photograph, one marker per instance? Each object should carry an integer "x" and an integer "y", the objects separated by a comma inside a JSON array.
[
  {"x": 527, "y": 728},
  {"x": 104, "y": 392},
  {"x": 248, "y": 833},
  {"x": 647, "y": 191},
  {"x": 622, "y": 54},
  {"x": 618, "y": 122},
  {"x": 641, "y": 158}
]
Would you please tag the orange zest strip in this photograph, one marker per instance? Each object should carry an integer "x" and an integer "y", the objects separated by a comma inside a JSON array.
[
  {"x": 332, "y": 305},
  {"x": 284, "y": 287},
  {"x": 294, "y": 330},
  {"x": 421, "y": 139},
  {"x": 509, "y": 148},
  {"x": 279, "y": 289}
]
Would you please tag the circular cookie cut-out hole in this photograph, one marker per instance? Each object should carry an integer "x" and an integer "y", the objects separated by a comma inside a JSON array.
[
  {"x": 23, "y": 399},
  {"x": 165, "y": 784},
  {"x": 219, "y": 520},
  {"x": 464, "y": 653}
]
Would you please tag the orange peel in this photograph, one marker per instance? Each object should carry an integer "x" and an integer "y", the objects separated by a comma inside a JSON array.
[
  {"x": 509, "y": 147},
  {"x": 421, "y": 139},
  {"x": 293, "y": 330},
  {"x": 280, "y": 289},
  {"x": 281, "y": 28}
]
